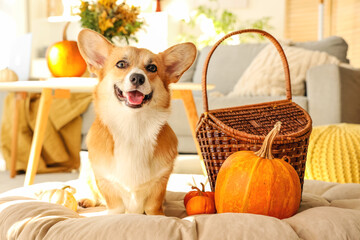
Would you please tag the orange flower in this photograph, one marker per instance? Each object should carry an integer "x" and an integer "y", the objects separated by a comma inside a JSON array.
[
  {"x": 105, "y": 22},
  {"x": 122, "y": 30},
  {"x": 107, "y": 3}
]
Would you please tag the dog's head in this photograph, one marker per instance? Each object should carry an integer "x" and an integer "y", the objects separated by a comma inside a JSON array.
[{"x": 134, "y": 77}]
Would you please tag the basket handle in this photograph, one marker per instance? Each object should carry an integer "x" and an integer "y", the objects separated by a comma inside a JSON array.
[{"x": 265, "y": 34}]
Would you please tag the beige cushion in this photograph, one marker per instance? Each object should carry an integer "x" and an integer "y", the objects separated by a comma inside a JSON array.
[
  {"x": 327, "y": 211},
  {"x": 326, "y": 223}
]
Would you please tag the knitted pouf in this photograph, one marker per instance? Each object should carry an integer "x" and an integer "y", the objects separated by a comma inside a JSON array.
[{"x": 334, "y": 154}]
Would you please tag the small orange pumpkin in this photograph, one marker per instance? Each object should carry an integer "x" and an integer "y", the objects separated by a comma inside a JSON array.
[
  {"x": 64, "y": 58},
  {"x": 200, "y": 204},
  {"x": 189, "y": 196},
  {"x": 63, "y": 196},
  {"x": 210, "y": 195},
  {"x": 257, "y": 183},
  {"x": 195, "y": 193}
]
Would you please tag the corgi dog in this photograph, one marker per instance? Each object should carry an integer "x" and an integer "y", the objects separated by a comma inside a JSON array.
[{"x": 130, "y": 144}]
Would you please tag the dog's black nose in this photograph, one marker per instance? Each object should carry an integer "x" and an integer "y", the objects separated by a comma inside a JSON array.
[{"x": 137, "y": 79}]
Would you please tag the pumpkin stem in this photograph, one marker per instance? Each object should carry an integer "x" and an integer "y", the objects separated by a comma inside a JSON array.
[
  {"x": 199, "y": 191},
  {"x": 70, "y": 189},
  {"x": 265, "y": 150},
  {"x": 203, "y": 187},
  {"x": 64, "y": 32}
]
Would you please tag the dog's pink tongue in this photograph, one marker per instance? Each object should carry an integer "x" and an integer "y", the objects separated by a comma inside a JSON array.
[{"x": 135, "y": 97}]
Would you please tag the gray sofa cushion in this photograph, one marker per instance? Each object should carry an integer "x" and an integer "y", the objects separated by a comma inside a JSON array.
[
  {"x": 226, "y": 65},
  {"x": 334, "y": 45},
  {"x": 333, "y": 94}
]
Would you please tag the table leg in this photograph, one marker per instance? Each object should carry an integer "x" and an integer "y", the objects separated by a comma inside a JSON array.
[
  {"x": 15, "y": 131},
  {"x": 192, "y": 116},
  {"x": 39, "y": 133}
]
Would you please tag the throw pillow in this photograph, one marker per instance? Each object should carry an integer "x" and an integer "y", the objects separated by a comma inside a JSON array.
[
  {"x": 265, "y": 75},
  {"x": 334, "y": 153}
]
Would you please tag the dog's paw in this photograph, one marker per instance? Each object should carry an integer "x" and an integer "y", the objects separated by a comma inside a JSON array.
[
  {"x": 86, "y": 203},
  {"x": 158, "y": 211},
  {"x": 115, "y": 211}
]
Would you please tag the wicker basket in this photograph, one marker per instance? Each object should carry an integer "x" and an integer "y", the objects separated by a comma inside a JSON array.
[{"x": 222, "y": 132}]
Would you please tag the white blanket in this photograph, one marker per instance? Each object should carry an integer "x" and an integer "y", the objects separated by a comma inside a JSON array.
[{"x": 327, "y": 211}]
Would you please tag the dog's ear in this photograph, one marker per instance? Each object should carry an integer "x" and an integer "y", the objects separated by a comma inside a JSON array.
[
  {"x": 178, "y": 59},
  {"x": 94, "y": 48}
]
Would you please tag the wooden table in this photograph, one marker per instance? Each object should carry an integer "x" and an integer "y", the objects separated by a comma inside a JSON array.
[{"x": 62, "y": 88}]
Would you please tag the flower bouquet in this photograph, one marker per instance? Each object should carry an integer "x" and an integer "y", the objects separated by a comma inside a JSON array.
[{"x": 114, "y": 21}]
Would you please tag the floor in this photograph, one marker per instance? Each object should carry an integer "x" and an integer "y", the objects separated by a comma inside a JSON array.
[{"x": 184, "y": 164}]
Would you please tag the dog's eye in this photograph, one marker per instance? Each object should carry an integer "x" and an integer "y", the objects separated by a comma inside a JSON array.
[
  {"x": 122, "y": 64},
  {"x": 151, "y": 68}
]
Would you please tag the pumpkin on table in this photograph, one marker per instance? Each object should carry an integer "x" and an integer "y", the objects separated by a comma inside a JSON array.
[
  {"x": 8, "y": 75},
  {"x": 255, "y": 182},
  {"x": 64, "y": 58}
]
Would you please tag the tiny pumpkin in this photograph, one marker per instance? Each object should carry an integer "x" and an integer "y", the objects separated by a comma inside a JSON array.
[
  {"x": 200, "y": 204},
  {"x": 257, "y": 183},
  {"x": 8, "y": 75},
  {"x": 64, "y": 58},
  {"x": 63, "y": 196},
  {"x": 189, "y": 196},
  {"x": 195, "y": 193},
  {"x": 211, "y": 195}
]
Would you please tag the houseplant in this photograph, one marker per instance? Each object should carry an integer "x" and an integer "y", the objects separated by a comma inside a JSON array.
[
  {"x": 116, "y": 22},
  {"x": 208, "y": 24}
]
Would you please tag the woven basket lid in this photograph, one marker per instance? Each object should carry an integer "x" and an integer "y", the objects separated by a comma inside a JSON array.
[{"x": 334, "y": 154}]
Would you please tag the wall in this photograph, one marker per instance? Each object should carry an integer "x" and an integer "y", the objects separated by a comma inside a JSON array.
[
  {"x": 341, "y": 18},
  {"x": 13, "y": 22},
  {"x": 17, "y": 11},
  {"x": 263, "y": 8}
]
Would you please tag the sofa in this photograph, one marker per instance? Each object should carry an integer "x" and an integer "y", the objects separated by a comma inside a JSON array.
[{"x": 331, "y": 90}]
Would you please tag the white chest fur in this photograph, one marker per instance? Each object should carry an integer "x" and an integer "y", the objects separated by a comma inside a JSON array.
[{"x": 135, "y": 138}]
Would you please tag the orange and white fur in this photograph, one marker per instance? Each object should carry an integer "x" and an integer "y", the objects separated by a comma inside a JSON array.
[{"x": 131, "y": 146}]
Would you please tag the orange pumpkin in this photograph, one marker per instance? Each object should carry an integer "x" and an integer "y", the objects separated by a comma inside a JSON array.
[
  {"x": 189, "y": 196},
  {"x": 210, "y": 195},
  {"x": 257, "y": 183},
  {"x": 201, "y": 204},
  {"x": 195, "y": 193},
  {"x": 64, "y": 59}
]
